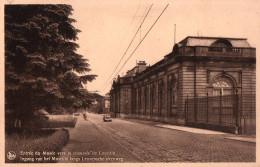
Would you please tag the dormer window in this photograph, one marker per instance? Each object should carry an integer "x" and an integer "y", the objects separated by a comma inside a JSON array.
[
  {"x": 221, "y": 43},
  {"x": 218, "y": 45}
]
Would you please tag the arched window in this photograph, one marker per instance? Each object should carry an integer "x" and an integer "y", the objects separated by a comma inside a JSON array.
[
  {"x": 223, "y": 102},
  {"x": 218, "y": 45},
  {"x": 224, "y": 85},
  {"x": 221, "y": 43}
]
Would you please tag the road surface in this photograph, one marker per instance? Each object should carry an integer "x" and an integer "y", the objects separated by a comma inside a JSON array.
[{"x": 93, "y": 140}]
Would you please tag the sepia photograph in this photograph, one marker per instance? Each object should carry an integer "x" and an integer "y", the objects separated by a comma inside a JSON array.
[{"x": 139, "y": 83}]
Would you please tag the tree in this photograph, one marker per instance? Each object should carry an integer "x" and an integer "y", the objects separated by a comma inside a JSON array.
[
  {"x": 42, "y": 68},
  {"x": 97, "y": 103}
]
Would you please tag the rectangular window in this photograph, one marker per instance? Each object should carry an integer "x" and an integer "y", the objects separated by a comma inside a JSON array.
[
  {"x": 160, "y": 103},
  {"x": 126, "y": 93},
  {"x": 173, "y": 97},
  {"x": 126, "y": 106},
  {"x": 140, "y": 100}
]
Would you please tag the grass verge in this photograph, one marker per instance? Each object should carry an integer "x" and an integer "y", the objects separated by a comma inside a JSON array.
[{"x": 41, "y": 146}]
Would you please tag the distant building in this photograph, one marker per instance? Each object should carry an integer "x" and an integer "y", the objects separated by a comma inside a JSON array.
[
  {"x": 121, "y": 93},
  {"x": 205, "y": 82}
]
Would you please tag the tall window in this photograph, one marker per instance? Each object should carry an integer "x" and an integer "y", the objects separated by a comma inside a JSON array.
[
  {"x": 117, "y": 109},
  {"x": 145, "y": 99},
  {"x": 173, "y": 96},
  {"x": 173, "y": 93},
  {"x": 153, "y": 102},
  {"x": 135, "y": 100},
  {"x": 126, "y": 93},
  {"x": 139, "y": 100},
  {"x": 160, "y": 94},
  {"x": 126, "y": 106},
  {"x": 223, "y": 105}
]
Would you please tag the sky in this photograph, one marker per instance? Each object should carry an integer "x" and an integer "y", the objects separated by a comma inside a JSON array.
[{"x": 108, "y": 26}]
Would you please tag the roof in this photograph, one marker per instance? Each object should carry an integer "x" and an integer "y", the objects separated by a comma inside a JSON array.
[
  {"x": 130, "y": 73},
  {"x": 208, "y": 41},
  {"x": 141, "y": 66}
]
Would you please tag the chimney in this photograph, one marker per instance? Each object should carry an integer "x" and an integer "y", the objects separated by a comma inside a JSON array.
[{"x": 141, "y": 63}]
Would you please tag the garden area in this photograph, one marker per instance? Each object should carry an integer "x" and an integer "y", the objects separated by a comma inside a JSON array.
[{"x": 33, "y": 145}]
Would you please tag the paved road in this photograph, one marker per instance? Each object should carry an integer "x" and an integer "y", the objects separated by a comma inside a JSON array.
[
  {"x": 127, "y": 141},
  {"x": 89, "y": 144}
]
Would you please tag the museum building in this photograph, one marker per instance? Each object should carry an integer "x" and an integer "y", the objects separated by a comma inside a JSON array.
[{"x": 206, "y": 82}]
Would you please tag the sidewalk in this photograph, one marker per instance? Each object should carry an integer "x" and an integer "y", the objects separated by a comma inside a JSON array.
[
  {"x": 242, "y": 138},
  {"x": 196, "y": 130},
  {"x": 190, "y": 129}
]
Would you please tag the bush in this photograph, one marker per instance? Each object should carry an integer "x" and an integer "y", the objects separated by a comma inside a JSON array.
[{"x": 32, "y": 141}]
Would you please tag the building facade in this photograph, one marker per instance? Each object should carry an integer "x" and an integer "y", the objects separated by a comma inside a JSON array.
[{"x": 206, "y": 82}]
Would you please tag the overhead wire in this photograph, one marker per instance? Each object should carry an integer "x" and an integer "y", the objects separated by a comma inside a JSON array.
[
  {"x": 141, "y": 41},
  {"x": 121, "y": 42},
  {"x": 129, "y": 44}
]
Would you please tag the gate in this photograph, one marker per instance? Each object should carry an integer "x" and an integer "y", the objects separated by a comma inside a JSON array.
[{"x": 213, "y": 112}]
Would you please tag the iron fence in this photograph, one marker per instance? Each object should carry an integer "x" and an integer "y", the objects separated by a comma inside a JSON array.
[{"x": 232, "y": 111}]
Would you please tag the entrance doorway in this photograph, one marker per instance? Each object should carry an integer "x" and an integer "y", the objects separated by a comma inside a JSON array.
[{"x": 223, "y": 110}]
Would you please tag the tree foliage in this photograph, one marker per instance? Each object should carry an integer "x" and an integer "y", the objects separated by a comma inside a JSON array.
[
  {"x": 42, "y": 68},
  {"x": 98, "y": 103}
]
